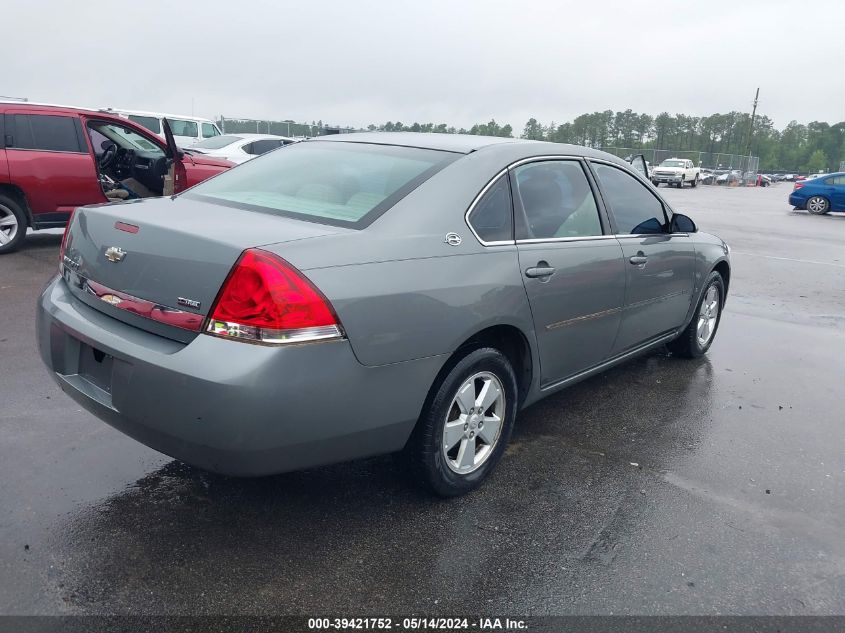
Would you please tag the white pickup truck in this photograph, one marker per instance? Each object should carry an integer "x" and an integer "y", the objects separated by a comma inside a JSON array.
[{"x": 676, "y": 171}]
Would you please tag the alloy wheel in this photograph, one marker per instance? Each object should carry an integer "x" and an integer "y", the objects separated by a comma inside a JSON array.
[
  {"x": 8, "y": 225},
  {"x": 708, "y": 314},
  {"x": 473, "y": 423},
  {"x": 817, "y": 205}
]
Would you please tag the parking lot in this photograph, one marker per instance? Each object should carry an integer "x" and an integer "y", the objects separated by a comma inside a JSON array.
[{"x": 665, "y": 486}]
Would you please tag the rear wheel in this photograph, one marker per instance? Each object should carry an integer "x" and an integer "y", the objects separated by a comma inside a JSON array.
[
  {"x": 12, "y": 225},
  {"x": 466, "y": 423},
  {"x": 694, "y": 182},
  {"x": 818, "y": 205},
  {"x": 696, "y": 339}
]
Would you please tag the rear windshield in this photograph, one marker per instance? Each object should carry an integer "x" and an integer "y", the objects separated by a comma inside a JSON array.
[
  {"x": 339, "y": 183},
  {"x": 216, "y": 142}
]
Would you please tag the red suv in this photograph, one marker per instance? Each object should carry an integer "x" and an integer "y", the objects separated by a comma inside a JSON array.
[{"x": 55, "y": 158}]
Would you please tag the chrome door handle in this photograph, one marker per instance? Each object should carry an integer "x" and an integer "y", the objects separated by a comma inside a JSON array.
[
  {"x": 638, "y": 260},
  {"x": 539, "y": 271}
]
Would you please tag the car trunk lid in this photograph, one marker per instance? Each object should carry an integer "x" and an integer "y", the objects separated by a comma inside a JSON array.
[{"x": 158, "y": 264}]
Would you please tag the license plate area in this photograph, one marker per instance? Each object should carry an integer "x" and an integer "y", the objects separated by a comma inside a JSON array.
[{"x": 95, "y": 366}]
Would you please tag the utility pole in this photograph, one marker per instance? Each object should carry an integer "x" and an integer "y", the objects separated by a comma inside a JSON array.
[{"x": 751, "y": 129}]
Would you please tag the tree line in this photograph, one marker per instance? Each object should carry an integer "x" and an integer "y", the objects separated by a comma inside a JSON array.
[{"x": 814, "y": 147}]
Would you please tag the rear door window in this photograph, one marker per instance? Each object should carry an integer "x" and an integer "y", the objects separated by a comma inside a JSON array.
[
  {"x": 262, "y": 146},
  {"x": 217, "y": 142},
  {"x": 209, "y": 130},
  {"x": 553, "y": 199},
  {"x": 46, "y": 132}
]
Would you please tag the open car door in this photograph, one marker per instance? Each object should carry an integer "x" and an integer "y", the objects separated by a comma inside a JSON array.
[
  {"x": 638, "y": 162},
  {"x": 176, "y": 179}
]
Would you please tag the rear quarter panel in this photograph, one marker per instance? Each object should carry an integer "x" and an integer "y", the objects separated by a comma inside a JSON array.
[{"x": 401, "y": 310}]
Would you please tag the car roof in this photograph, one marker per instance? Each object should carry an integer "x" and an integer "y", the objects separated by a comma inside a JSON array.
[
  {"x": 39, "y": 106},
  {"x": 514, "y": 148},
  {"x": 68, "y": 109},
  {"x": 189, "y": 117},
  {"x": 56, "y": 108},
  {"x": 460, "y": 143},
  {"x": 254, "y": 136}
]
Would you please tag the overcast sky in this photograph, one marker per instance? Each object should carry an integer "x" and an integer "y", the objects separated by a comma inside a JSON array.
[{"x": 351, "y": 62}]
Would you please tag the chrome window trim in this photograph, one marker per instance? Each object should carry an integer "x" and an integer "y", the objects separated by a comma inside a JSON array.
[
  {"x": 47, "y": 151},
  {"x": 496, "y": 243},
  {"x": 580, "y": 238},
  {"x": 667, "y": 209},
  {"x": 618, "y": 236},
  {"x": 549, "y": 157},
  {"x": 552, "y": 240},
  {"x": 544, "y": 158},
  {"x": 513, "y": 165},
  {"x": 622, "y": 236}
]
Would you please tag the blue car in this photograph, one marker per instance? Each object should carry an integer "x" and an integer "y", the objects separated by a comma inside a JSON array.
[{"x": 820, "y": 195}]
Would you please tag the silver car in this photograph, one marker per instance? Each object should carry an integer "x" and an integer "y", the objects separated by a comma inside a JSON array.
[{"x": 369, "y": 293}]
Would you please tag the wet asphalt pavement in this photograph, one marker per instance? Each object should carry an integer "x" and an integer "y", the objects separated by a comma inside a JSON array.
[{"x": 665, "y": 486}]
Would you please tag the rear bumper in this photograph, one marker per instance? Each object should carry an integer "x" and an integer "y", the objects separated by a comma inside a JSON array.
[
  {"x": 227, "y": 406},
  {"x": 797, "y": 201}
]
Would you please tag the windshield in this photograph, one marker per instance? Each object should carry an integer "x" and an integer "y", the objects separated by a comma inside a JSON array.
[
  {"x": 340, "y": 183},
  {"x": 126, "y": 138},
  {"x": 216, "y": 142},
  {"x": 672, "y": 163}
]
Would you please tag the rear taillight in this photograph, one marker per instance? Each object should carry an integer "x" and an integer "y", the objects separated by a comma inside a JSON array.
[
  {"x": 63, "y": 247},
  {"x": 797, "y": 186},
  {"x": 266, "y": 300}
]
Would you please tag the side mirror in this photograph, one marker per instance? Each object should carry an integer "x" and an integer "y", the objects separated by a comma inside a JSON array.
[{"x": 683, "y": 224}]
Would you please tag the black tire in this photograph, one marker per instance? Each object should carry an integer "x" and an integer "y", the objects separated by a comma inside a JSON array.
[
  {"x": 819, "y": 203},
  {"x": 10, "y": 208},
  {"x": 424, "y": 447},
  {"x": 656, "y": 183},
  {"x": 687, "y": 344},
  {"x": 694, "y": 182}
]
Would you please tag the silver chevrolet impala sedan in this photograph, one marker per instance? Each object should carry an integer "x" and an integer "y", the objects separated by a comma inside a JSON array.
[{"x": 370, "y": 293}]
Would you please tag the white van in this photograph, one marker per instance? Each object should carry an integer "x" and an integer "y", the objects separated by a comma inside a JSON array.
[{"x": 187, "y": 130}]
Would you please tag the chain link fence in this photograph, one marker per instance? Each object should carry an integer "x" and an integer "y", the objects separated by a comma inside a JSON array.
[
  {"x": 717, "y": 168},
  {"x": 279, "y": 128}
]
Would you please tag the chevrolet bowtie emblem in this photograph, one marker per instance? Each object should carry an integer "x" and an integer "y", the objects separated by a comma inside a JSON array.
[{"x": 115, "y": 254}]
